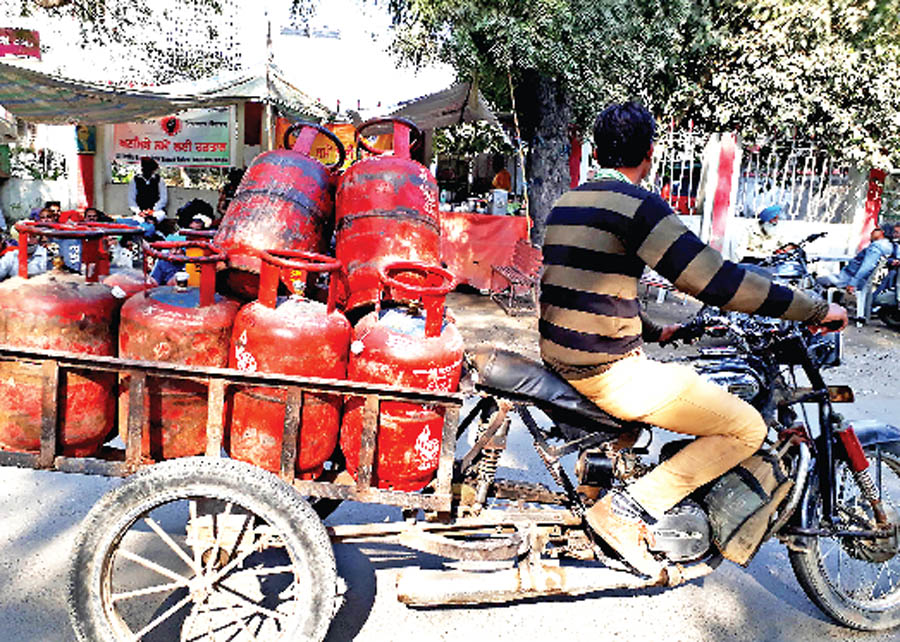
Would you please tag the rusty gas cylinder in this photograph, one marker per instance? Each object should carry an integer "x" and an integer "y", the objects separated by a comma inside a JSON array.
[
  {"x": 415, "y": 346},
  {"x": 386, "y": 210},
  {"x": 296, "y": 336},
  {"x": 285, "y": 202},
  {"x": 59, "y": 310},
  {"x": 176, "y": 324}
]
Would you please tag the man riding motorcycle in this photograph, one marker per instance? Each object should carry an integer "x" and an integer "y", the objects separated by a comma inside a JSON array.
[{"x": 599, "y": 238}]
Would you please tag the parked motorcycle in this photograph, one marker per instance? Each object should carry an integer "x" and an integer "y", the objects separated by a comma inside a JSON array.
[
  {"x": 886, "y": 302},
  {"x": 827, "y": 488},
  {"x": 789, "y": 264}
]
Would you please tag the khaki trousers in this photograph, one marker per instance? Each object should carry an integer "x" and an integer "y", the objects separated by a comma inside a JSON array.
[{"x": 673, "y": 396}]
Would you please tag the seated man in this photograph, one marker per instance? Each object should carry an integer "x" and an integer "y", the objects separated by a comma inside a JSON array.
[
  {"x": 599, "y": 238},
  {"x": 855, "y": 274},
  {"x": 164, "y": 271},
  {"x": 9, "y": 259},
  {"x": 763, "y": 239}
]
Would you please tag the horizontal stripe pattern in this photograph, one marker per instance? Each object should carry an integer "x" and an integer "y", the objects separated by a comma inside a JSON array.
[{"x": 599, "y": 238}]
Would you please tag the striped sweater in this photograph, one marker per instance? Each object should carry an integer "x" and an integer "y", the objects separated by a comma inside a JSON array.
[{"x": 599, "y": 238}]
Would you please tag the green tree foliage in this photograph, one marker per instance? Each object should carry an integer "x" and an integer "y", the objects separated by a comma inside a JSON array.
[
  {"x": 563, "y": 59},
  {"x": 158, "y": 50},
  {"x": 823, "y": 69}
]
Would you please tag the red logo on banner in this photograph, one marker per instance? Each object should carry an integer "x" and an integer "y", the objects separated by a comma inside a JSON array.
[
  {"x": 170, "y": 125},
  {"x": 20, "y": 43}
]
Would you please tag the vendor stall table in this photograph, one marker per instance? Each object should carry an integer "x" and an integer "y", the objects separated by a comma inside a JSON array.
[{"x": 471, "y": 243}]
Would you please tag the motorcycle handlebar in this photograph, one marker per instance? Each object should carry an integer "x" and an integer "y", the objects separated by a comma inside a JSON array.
[{"x": 704, "y": 324}]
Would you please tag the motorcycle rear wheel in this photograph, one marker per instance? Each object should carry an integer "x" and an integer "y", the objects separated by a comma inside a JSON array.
[{"x": 848, "y": 579}]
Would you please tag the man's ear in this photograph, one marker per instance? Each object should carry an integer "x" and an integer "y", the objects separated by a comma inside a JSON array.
[{"x": 649, "y": 156}]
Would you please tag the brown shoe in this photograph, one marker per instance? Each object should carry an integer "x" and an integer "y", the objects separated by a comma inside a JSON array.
[{"x": 613, "y": 520}]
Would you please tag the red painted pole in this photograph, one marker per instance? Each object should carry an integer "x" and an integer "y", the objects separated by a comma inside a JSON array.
[
  {"x": 86, "y": 179},
  {"x": 722, "y": 195},
  {"x": 873, "y": 205}
]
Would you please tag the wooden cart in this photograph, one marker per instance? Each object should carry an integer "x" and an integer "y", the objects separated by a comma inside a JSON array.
[{"x": 207, "y": 548}]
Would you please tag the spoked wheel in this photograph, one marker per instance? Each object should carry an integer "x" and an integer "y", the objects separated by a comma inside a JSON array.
[
  {"x": 856, "y": 581},
  {"x": 201, "y": 550}
]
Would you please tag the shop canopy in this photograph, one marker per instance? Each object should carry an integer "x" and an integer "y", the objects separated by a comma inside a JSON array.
[
  {"x": 459, "y": 103},
  {"x": 41, "y": 98}
]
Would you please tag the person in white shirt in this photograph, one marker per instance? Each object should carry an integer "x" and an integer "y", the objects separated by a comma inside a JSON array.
[
  {"x": 147, "y": 192},
  {"x": 9, "y": 260}
]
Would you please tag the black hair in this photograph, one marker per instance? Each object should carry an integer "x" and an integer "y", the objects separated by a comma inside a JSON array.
[
  {"x": 49, "y": 204},
  {"x": 235, "y": 174},
  {"x": 623, "y": 134},
  {"x": 167, "y": 226}
]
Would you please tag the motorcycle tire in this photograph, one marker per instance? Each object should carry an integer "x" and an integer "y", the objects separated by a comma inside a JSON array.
[
  {"x": 854, "y": 581},
  {"x": 890, "y": 316}
]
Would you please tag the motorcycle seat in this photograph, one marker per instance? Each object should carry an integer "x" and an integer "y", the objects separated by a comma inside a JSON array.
[{"x": 510, "y": 375}]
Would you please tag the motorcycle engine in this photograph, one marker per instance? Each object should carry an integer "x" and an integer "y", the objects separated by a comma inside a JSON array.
[{"x": 682, "y": 533}]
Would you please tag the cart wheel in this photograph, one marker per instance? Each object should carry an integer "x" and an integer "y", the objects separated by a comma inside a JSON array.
[{"x": 202, "y": 549}]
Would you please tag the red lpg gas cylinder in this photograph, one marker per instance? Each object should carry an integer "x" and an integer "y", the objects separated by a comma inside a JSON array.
[
  {"x": 294, "y": 336},
  {"x": 58, "y": 310},
  {"x": 403, "y": 346},
  {"x": 284, "y": 202},
  {"x": 386, "y": 210},
  {"x": 180, "y": 324}
]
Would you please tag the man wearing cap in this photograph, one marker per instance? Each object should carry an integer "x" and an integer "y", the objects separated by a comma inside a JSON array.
[{"x": 763, "y": 239}]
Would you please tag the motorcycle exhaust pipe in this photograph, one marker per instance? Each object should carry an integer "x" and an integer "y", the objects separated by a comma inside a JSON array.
[
  {"x": 429, "y": 587},
  {"x": 796, "y": 492}
]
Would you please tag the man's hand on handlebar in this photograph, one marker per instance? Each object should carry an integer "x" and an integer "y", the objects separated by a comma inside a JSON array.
[
  {"x": 668, "y": 331},
  {"x": 835, "y": 320}
]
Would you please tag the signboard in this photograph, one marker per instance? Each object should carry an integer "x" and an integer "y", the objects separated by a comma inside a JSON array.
[
  {"x": 20, "y": 43},
  {"x": 196, "y": 137}
]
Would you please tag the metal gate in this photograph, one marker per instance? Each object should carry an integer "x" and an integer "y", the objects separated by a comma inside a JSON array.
[
  {"x": 800, "y": 177},
  {"x": 890, "y": 198},
  {"x": 677, "y": 171}
]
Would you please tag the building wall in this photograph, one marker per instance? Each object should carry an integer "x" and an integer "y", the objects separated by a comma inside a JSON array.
[{"x": 19, "y": 196}]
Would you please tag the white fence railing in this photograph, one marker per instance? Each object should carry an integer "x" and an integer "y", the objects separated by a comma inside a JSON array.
[{"x": 802, "y": 178}]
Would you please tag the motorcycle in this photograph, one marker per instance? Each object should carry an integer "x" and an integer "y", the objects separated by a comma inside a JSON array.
[
  {"x": 789, "y": 264},
  {"x": 886, "y": 302},
  {"x": 830, "y": 490}
]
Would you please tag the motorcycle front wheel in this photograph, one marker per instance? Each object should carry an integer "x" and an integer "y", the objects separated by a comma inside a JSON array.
[
  {"x": 856, "y": 581},
  {"x": 890, "y": 316}
]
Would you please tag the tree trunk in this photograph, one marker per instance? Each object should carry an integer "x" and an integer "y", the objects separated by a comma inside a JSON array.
[{"x": 545, "y": 116}]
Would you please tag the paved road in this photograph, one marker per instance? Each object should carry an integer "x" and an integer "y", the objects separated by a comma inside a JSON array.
[{"x": 40, "y": 513}]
